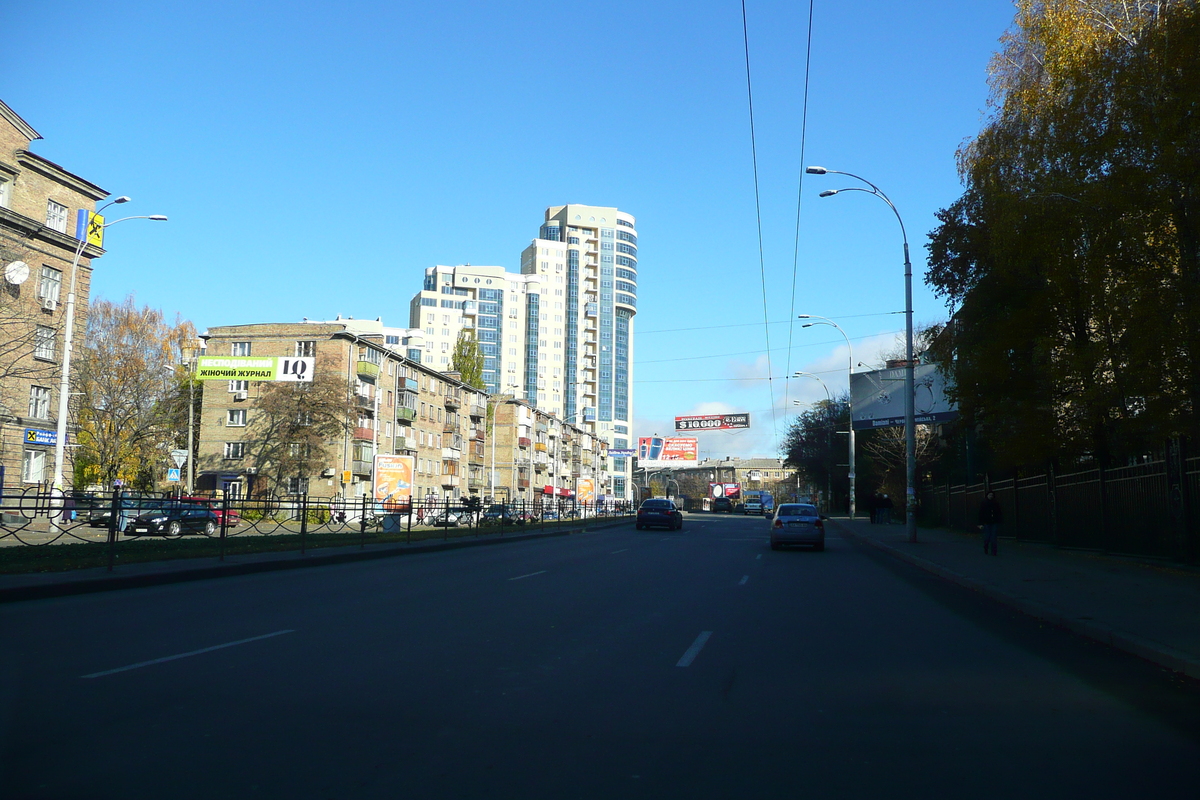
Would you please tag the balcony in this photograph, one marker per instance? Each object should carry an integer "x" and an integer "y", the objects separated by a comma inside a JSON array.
[
  {"x": 368, "y": 370},
  {"x": 477, "y": 482},
  {"x": 540, "y": 447},
  {"x": 361, "y": 467},
  {"x": 404, "y": 414},
  {"x": 522, "y": 483},
  {"x": 406, "y": 384},
  {"x": 523, "y": 441},
  {"x": 364, "y": 402},
  {"x": 477, "y": 410},
  {"x": 450, "y": 427},
  {"x": 405, "y": 443},
  {"x": 450, "y": 454},
  {"x": 364, "y": 434},
  {"x": 449, "y": 481},
  {"x": 453, "y": 401},
  {"x": 478, "y": 435}
]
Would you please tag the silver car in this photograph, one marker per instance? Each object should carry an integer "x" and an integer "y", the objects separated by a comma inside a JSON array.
[{"x": 797, "y": 523}]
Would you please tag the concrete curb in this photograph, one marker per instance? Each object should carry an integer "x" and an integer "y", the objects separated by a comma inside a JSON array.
[
  {"x": 289, "y": 560},
  {"x": 1156, "y": 652}
]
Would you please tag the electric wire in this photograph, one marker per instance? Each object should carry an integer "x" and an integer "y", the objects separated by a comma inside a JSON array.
[
  {"x": 799, "y": 204},
  {"x": 755, "y": 324},
  {"x": 762, "y": 263}
]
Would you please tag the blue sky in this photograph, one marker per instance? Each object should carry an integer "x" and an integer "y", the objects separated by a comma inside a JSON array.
[{"x": 314, "y": 158}]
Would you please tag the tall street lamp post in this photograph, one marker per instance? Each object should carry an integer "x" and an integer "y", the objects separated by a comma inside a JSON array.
[
  {"x": 910, "y": 425},
  {"x": 849, "y": 370},
  {"x": 64, "y": 387}
]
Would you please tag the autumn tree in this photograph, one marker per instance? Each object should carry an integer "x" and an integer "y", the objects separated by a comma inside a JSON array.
[
  {"x": 294, "y": 425},
  {"x": 1072, "y": 259},
  {"x": 122, "y": 379},
  {"x": 467, "y": 359}
]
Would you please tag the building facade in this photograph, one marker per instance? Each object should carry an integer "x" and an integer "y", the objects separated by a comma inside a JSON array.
[
  {"x": 560, "y": 332},
  {"x": 39, "y": 211},
  {"x": 399, "y": 406}
]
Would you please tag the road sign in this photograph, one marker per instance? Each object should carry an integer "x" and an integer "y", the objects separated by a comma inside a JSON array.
[
  {"x": 179, "y": 457},
  {"x": 173, "y": 476}
]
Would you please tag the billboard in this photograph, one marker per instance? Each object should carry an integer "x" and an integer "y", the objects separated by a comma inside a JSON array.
[
  {"x": 878, "y": 397},
  {"x": 659, "y": 452},
  {"x": 585, "y": 490},
  {"x": 731, "y": 490},
  {"x": 712, "y": 422},
  {"x": 262, "y": 368},
  {"x": 393, "y": 481}
]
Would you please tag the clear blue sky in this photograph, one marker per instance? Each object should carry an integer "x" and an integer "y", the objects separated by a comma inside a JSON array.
[{"x": 315, "y": 158}]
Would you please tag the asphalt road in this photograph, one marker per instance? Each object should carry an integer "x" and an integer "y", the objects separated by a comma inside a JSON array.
[{"x": 617, "y": 664}]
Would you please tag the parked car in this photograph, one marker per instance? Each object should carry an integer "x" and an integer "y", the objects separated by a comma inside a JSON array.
[
  {"x": 449, "y": 518},
  {"x": 498, "y": 515},
  {"x": 130, "y": 507},
  {"x": 216, "y": 506},
  {"x": 797, "y": 523},
  {"x": 659, "y": 512},
  {"x": 722, "y": 504},
  {"x": 173, "y": 519}
]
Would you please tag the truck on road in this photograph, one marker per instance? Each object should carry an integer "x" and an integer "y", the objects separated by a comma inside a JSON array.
[{"x": 756, "y": 501}]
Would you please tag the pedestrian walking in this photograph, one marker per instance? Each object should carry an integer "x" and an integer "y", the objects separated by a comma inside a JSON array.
[
  {"x": 885, "y": 510},
  {"x": 873, "y": 507},
  {"x": 990, "y": 517}
]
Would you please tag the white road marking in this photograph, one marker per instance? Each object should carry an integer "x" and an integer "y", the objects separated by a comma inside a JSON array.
[
  {"x": 184, "y": 655},
  {"x": 614, "y": 552},
  {"x": 530, "y": 575},
  {"x": 694, "y": 650},
  {"x": 742, "y": 582}
]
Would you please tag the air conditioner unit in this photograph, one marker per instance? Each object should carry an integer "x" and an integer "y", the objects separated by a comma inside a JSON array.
[
  {"x": 240, "y": 395},
  {"x": 49, "y": 303},
  {"x": 251, "y": 470},
  {"x": 327, "y": 473}
]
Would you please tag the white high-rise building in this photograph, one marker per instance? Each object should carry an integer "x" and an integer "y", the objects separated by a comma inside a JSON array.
[
  {"x": 559, "y": 333},
  {"x": 581, "y": 369}
]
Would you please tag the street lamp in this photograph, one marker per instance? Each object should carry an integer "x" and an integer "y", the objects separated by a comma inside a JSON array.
[
  {"x": 65, "y": 384},
  {"x": 849, "y": 370},
  {"x": 910, "y": 424},
  {"x": 829, "y": 414}
]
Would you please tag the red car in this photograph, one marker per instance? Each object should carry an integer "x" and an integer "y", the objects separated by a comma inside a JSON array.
[
  {"x": 661, "y": 512},
  {"x": 214, "y": 504}
]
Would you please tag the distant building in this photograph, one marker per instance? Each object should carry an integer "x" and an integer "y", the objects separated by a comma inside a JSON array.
[
  {"x": 39, "y": 206},
  {"x": 560, "y": 332}
]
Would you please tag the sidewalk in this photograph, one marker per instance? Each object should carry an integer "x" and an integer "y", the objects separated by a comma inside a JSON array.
[
  {"x": 33, "y": 586},
  {"x": 1150, "y": 609}
]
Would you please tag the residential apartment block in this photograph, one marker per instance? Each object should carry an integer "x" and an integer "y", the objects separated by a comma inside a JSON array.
[
  {"x": 39, "y": 208},
  {"x": 560, "y": 332},
  {"x": 400, "y": 406}
]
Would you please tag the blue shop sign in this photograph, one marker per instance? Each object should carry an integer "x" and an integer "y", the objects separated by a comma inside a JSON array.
[{"x": 39, "y": 436}]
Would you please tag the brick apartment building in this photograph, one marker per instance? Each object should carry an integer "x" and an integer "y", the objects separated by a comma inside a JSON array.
[
  {"x": 400, "y": 407},
  {"x": 39, "y": 206}
]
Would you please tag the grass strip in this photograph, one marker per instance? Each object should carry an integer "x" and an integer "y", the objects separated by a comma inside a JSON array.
[{"x": 87, "y": 555}]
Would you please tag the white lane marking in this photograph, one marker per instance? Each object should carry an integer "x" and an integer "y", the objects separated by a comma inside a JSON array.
[
  {"x": 614, "y": 552},
  {"x": 742, "y": 582},
  {"x": 530, "y": 575},
  {"x": 694, "y": 650},
  {"x": 757, "y": 557},
  {"x": 185, "y": 655}
]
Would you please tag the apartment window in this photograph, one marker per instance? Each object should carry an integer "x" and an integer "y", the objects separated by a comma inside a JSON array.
[
  {"x": 235, "y": 450},
  {"x": 387, "y": 429},
  {"x": 43, "y": 343},
  {"x": 239, "y": 386},
  {"x": 56, "y": 216},
  {"x": 39, "y": 402},
  {"x": 5, "y": 190},
  {"x": 33, "y": 466},
  {"x": 51, "y": 284},
  {"x": 236, "y": 418},
  {"x": 297, "y": 485},
  {"x": 239, "y": 349},
  {"x": 306, "y": 349}
]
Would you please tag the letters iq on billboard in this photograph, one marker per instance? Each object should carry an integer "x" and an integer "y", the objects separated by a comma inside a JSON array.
[
  {"x": 878, "y": 397},
  {"x": 660, "y": 452},
  {"x": 712, "y": 422},
  {"x": 393, "y": 481}
]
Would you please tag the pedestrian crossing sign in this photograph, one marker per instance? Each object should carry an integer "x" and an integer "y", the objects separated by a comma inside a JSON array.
[{"x": 173, "y": 475}]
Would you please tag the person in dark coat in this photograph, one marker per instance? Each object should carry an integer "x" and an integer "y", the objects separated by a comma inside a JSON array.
[
  {"x": 990, "y": 517},
  {"x": 873, "y": 507}
]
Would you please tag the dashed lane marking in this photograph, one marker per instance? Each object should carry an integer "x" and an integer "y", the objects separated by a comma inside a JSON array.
[{"x": 165, "y": 659}]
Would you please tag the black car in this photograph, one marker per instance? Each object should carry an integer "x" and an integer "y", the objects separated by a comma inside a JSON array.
[
  {"x": 498, "y": 515},
  {"x": 173, "y": 520},
  {"x": 722, "y": 504},
  {"x": 661, "y": 512}
]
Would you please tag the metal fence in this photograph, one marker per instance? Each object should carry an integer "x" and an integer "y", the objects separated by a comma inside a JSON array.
[
  {"x": 1145, "y": 509},
  {"x": 36, "y": 516}
]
